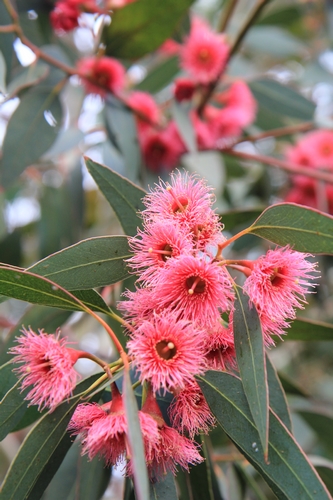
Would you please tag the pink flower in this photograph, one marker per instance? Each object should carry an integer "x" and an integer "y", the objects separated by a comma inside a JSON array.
[
  {"x": 145, "y": 104},
  {"x": 84, "y": 416},
  {"x": 118, "y": 4},
  {"x": 104, "y": 435},
  {"x": 168, "y": 352},
  {"x": 205, "y": 138},
  {"x": 279, "y": 281},
  {"x": 161, "y": 149},
  {"x": 189, "y": 411},
  {"x": 183, "y": 89},
  {"x": 169, "y": 48},
  {"x": 158, "y": 242},
  {"x": 64, "y": 16},
  {"x": 171, "y": 449},
  {"x": 239, "y": 99},
  {"x": 48, "y": 366},
  {"x": 187, "y": 200},
  {"x": 101, "y": 74},
  {"x": 140, "y": 305},
  {"x": 195, "y": 289},
  {"x": 204, "y": 53},
  {"x": 220, "y": 347}
]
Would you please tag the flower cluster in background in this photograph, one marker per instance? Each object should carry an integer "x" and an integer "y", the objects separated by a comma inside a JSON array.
[
  {"x": 314, "y": 151},
  {"x": 180, "y": 324}
]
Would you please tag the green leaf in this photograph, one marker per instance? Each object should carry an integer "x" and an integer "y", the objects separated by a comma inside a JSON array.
[
  {"x": 239, "y": 217},
  {"x": 304, "y": 229},
  {"x": 90, "y": 263},
  {"x": 78, "y": 478},
  {"x": 142, "y": 27},
  {"x": 277, "y": 397},
  {"x": 124, "y": 197},
  {"x": 289, "y": 473},
  {"x": 325, "y": 470},
  {"x": 165, "y": 489},
  {"x": 2, "y": 73},
  {"x": 141, "y": 481},
  {"x": 322, "y": 424},
  {"x": 180, "y": 113},
  {"x": 6, "y": 40},
  {"x": 12, "y": 409},
  {"x": 281, "y": 99},
  {"x": 31, "y": 75},
  {"x": 42, "y": 451},
  {"x": 275, "y": 41},
  {"x": 121, "y": 126},
  {"x": 306, "y": 329},
  {"x": 160, "y": 76},
  {"x": 251, "y": 362},
  {"x": 23, "y": 285},
  {"x": 40, "y": 109}
]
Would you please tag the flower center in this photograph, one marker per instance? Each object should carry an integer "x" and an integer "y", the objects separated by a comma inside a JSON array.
[
  {"x": 204, "y": 55},
  {"x": 165, "y": 252},
  {"x": 326, "y": 149},
  {"x": 277, "y": 277},
  {"x": 180, "y": 203},
  {"x": 166, "y": 349},
  {"x": 102, "y": 79},
  {"x": 158, "y": 150},
  {"x": 195, "y": 284}
]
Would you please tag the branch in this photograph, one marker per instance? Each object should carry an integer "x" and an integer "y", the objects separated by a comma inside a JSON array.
[
  {"x": 248, "y": 23},
  {"x": 292, "y": 168},
  {"x": 226, "y": 15},
  {"x": 277, "y": 132}
]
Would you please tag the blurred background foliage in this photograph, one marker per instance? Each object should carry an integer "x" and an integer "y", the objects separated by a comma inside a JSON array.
[{"x": 49, "y": 200}]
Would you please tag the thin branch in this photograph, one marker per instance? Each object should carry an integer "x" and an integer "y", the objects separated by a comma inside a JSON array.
[
  {"x": 248, "y": 23},
  {"x": 284, "y": 165},
  {"x": 9, "y": 28},
  {"x": 226, "y": 15},
  {"x": 277, "y": 132}
]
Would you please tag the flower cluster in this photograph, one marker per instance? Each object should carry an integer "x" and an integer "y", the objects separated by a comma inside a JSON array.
[
  {"x": 180, "y": 323},
  {"x": 202, "y": 57},
  {"x": 314, "y": 150}
]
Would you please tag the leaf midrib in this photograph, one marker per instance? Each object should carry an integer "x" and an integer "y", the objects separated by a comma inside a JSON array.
[{"x": 273, "y": 447}]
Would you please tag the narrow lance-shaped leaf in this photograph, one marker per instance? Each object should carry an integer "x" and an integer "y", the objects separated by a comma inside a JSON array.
[
  {"x": 135, "y": 440},
  {"x": 142, "y": 26},
  {"x": 251, "y": 362},
  {"x": 305, "y": 329},
  {"x": 124, "y": 197},
  {"x": 277, "y": 397},
  {"x": 165, "y": 489},
  {"x": 288, "y": 473},
  {"x": 282, "y": 99},
  {"x": 304, "y": 229},
  {"x": 42, "y": 451},
  {"x": 121, "y": 126},
  {"x": 42, "y": 111},
  {"x": 88, "y": 264},
  {"x": 24, "y": 285}
]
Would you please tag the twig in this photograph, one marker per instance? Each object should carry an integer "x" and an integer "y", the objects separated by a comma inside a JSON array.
[
  {"x": 251, "y": 19},
  {"x": 277, "y": 132},
  {"x": 284, "y": 165},
  {"x": 226, "y": 15}
]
